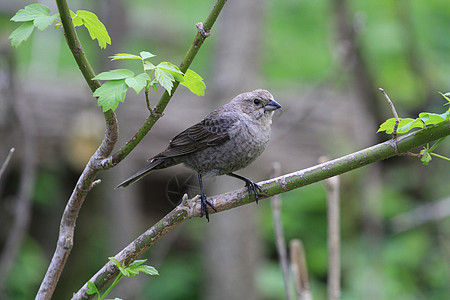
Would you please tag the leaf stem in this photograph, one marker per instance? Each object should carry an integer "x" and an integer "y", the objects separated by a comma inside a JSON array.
[
  {"x": 440, "y": 156},
  {"x": 436, "y": 144},
  {"x": 111, "y": 286}
]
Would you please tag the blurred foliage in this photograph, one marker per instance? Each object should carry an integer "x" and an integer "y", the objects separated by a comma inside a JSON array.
[{"x": 406, "y": 46}]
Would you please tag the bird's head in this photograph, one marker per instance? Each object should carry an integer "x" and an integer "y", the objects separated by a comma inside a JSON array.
[{"x": 259, "y": 105}]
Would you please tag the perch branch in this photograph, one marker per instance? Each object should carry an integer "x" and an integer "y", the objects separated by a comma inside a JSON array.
[{"x": 269, "y": 188}]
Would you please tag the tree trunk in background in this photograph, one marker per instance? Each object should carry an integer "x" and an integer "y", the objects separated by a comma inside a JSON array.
[{"x": 232, "y": 246}]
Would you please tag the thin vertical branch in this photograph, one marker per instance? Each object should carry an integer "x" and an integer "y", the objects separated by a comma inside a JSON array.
[
  {"x": 280, "y": 241},
  {"x": 334, "y": 240},
  {"x": 300, "y": 270},
  {"x": 6, "y": 162}
]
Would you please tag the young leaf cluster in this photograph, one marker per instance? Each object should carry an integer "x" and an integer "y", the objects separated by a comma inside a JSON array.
[
  {"x": 132, "y": 270},
  {"x": 424, "y": 119},
  {"x": 38, "y": 15},
  {"x": 118, "y": 81}
]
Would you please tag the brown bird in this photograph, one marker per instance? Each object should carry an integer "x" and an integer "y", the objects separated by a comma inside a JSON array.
[{"x": 226, "y": 140}]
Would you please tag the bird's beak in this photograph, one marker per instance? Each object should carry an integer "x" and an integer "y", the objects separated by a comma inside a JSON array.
[{"x": 272, "y": 105}]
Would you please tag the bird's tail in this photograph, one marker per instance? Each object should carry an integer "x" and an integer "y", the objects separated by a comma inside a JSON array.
[{"x": 141, "y": 173}]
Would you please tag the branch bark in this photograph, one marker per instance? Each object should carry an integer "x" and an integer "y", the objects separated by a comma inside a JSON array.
[{"x": 190, "y": 208}]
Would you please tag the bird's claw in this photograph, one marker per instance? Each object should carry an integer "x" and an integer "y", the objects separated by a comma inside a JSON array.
[
  {"x": 252, "y": 187},
  {"x": 204, "y": 206}
]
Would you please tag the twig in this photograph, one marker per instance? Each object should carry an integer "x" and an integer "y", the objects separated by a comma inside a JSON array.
[
  {"x": 6, "y": 162},
  {"x": 165, "y": 98},
  {"x": 300, "y": 270},
  {"x": 333, "y": 215},
  {"x": 394, "y": 111},
  {"x": 101, "y": 159},
  {"x": 269, "y": 188},
  {"x": 86, "y": 179},
  {"x": 147, "y": 100},
  {"x": 280, "y": 241}
]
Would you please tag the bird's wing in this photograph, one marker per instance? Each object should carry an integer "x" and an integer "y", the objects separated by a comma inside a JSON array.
[{"x": 211, "y": 131}]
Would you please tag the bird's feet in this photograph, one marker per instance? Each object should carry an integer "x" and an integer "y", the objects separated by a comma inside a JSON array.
[
  {"x": 204, "y": 206},
  {"x": 252, "y": 187}
]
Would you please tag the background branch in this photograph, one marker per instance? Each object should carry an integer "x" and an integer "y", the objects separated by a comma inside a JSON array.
[
  {"x": 300, "y": 270},
  {"x": 6, "y": 162},
  {"x": 190, "y": 208},
  {"x": 334, "y": 239},
  {"x": 280, "y": 241}
]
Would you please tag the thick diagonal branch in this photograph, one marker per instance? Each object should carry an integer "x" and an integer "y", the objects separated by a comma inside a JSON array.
[{"x": 285, "y": 183}]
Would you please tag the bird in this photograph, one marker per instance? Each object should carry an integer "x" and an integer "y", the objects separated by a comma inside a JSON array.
[{"x": 226, "y": 140}]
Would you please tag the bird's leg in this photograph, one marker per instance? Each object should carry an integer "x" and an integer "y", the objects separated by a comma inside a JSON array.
[
  {"x": 204, "y": 202},
  {"x": 251, "y": 186}
]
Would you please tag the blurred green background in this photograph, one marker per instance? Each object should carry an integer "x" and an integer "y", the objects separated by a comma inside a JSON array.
[{"x": 305, "y": 55}]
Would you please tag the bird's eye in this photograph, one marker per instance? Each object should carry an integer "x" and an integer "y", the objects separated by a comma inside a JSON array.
[{"x": 257, "y": 101}]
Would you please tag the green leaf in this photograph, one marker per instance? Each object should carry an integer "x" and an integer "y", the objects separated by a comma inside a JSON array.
[
  {"x": 165, "y": 79},
  {"x": 110, "y": 94},
  {"x": 154, "y": 84},
  {"x": 407, "y": 124},
  {"x": 147, "y": 270},
  {"x": 96, "y": 28},
  {"x": 43, "y": 22},
  {"x": 114, "y": 74},
  {"x": 145, "y": 55},
  {"x": 446, "y": 97},
  {"x": 38, "y": 13},
  {"x": 114, "y": 260},
  {"x": 92, "y": 289},
  {"x": 31, "y": 12},
  {"x": 194, "y": 83},
  {"x": 432, "y": 118},
  {"x": 404, "y": 125},
  {"x": 76, "y": 19},
  {"x": 124, "y": 56},
  {"x": 172, "y": 69},
  {"x": 21, "y": 33},
  {"x": 138, "y": 82},
  {"x": 148, "y": 66},
  {"x": 425, "y": 156},
  {"x": 136, "y": 263}
]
